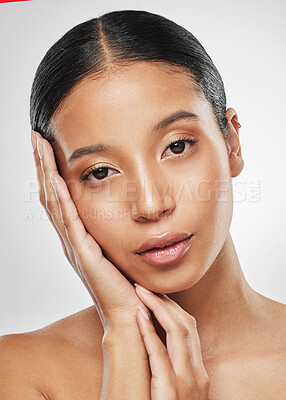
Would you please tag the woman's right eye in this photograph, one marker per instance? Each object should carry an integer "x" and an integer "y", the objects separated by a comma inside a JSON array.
[{"x": 99, "y": 173}]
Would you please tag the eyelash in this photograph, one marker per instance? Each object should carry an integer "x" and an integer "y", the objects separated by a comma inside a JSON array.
[{"x": 192, "y": 142}]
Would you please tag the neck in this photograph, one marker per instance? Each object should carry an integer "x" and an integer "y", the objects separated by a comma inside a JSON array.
[{"x": 222, "y": 302}]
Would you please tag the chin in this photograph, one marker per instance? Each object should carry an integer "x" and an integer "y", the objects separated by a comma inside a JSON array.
[{"x": 176, "y": 281}]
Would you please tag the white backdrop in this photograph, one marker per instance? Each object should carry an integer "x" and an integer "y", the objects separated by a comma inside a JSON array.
[{"x": 246, "y": 40}]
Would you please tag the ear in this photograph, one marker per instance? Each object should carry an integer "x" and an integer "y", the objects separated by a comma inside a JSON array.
[{"x": 236, "y": 162}]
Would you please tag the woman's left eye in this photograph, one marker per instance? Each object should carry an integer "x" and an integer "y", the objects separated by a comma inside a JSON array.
[
  {"x": 178, "y": 145},
  {"x": 100, "y": 172}
]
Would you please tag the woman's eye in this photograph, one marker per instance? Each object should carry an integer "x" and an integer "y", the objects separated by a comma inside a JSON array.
[
  {"x": 178, "y": 146},
  {"x": 98, "y": 173}
]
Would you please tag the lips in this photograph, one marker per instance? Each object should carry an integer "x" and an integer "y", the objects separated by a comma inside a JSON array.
[{"x": 161, "y": 241}]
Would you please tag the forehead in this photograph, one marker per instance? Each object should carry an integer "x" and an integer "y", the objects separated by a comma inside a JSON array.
[{"x": 132, "y": 96}]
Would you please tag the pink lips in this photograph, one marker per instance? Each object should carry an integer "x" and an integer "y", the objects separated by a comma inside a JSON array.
[{"x": 176, "y": 246}]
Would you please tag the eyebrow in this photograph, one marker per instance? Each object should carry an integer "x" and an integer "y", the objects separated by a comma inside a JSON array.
[{"x": 101, "y": 147}]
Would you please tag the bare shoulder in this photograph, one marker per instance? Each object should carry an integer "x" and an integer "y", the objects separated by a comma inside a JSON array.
[
  {"x": 276, "y": 318},
  {"x": 258, "y": 362},
  {"x": 81, "y": 329},
  {"x": 268, "y": 339},
  {"x": 44, "y": 362}
]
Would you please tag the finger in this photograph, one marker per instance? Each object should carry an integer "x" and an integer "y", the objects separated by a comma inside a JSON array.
[
  {"x": 200, "y": 374},
  {"x": 186, "y": 319},
  {"x": 48, "y": 198},
  {"x": 182, "y": 339},
  {"x": 163, "y": 379},
  {"x": 39, "y": 171},
  {"x": 87, "y": 252},
  {"x": 177, "y": 335},
  {"x": 34, "y": 136},
  {"x": 72, "y": 223},
  {"x": 48, "y": 166}
]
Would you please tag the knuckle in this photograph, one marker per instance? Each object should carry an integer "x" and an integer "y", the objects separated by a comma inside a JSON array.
[
  {"x": 69, "y": 256},
  {"x": 36, "y": 160},
  {"x": 203, "y": 382},
  {"x": 174, "y": 382},
  {"x": 192, "y": 322},
  {"x": 151, "y": 328},
  {"x": 67, "y": 221},
  {"x": 50, "y": 216},
  {"x": 174, "y": 326},
  {"x": 71, "y": 218},
  {"x": 51, "y": 206},
  {"x": 48, "y": 205},
  {"x": 55, "y": 217},
  {"x": 42, "y": 198},
  {"x": 172, "y": 392},
  {"x": 183, "y": 331},
  {"x": 162, "y": 352}
]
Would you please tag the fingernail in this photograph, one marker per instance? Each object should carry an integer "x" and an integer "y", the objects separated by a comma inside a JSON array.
[
  {"x": 39, "y": 147},
  {"x": 145, "y": 315},
  {"x": 142, "y": 288},
  {"x": 33, "y": 140}
]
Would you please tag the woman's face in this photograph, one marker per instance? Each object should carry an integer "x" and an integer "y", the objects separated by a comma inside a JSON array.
[{"x": 146, "y": 187}]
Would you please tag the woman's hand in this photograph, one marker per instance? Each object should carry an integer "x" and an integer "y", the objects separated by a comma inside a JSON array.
[
  {"x": 177, "y": 372},
  {"x": 113, "y": 295}
]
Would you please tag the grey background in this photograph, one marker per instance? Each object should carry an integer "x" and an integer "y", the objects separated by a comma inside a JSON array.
[{"x": 246, "y": 40}]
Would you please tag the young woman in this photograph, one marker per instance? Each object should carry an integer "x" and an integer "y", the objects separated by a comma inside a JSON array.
[{"x": 135, "y": 153}]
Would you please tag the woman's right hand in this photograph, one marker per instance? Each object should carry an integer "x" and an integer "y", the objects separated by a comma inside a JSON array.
[{"x": 113, "y": 295}]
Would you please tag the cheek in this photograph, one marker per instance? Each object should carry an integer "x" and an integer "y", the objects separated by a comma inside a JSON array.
[
  {"x": 102, "y": 217},
  {"x": 206, "y": 208},
  {"x": 215, "y": 212},
  {"x": 94, "y": 203},
  {"x": 207, "y": 196}
]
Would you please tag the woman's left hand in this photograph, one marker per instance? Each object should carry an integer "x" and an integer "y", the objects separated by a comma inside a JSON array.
[{"x": 177, "y": 372}]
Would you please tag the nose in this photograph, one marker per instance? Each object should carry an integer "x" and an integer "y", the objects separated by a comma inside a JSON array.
[{"x": 154, "y": 199}]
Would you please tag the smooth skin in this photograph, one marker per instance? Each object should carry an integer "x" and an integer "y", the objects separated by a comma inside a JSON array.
[{"x": 213, "y": 336}]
